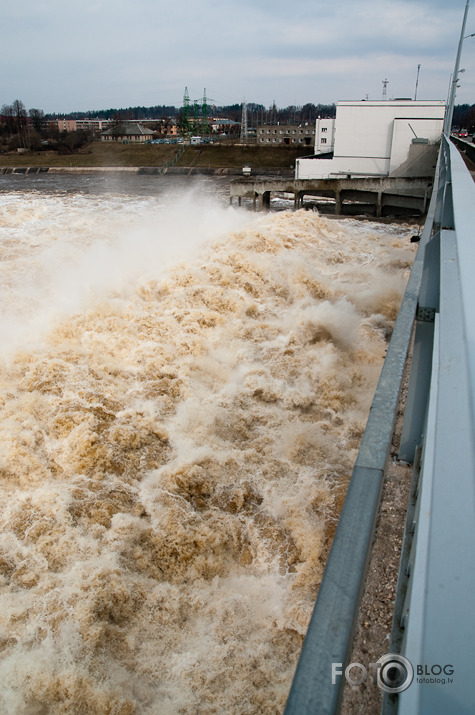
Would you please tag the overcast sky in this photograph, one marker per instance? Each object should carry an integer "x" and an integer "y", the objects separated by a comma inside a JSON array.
[{"x": 98, "y": 54}]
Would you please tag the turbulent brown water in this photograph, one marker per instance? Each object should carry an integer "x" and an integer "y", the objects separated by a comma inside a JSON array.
[{"x": 184, "y": 389}]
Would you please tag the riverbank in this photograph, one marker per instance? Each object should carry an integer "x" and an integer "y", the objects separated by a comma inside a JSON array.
[
  {"x": 101, "y": 157},
  {"x": 152, "y": 170}
]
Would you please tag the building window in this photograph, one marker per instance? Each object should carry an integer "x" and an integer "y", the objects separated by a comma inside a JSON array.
[
  {"x": 324, "y": 129},
  {"x": 324, "y": 140}
]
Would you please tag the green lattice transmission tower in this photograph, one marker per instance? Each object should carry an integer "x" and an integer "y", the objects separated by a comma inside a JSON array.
[
  {"x": 204, "y": 114},
  {"x": 196, "y": 122},
  {"x": 185, "y": 114},
  {"x": 196, "y": 117}
]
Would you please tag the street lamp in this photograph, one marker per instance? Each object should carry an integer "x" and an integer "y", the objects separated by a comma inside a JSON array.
[
  {"x": 450, "y": 85},
  {"x": 450, "y": 105}
]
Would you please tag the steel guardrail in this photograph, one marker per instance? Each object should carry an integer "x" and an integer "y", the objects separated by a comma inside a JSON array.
[
  {"x": 439, "y": 630},
  {"x": 330, "y": 632},
  {"x": 438, "y": 624}
]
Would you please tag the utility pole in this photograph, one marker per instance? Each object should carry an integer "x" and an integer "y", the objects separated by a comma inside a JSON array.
[{"x": 449, "y": 112}]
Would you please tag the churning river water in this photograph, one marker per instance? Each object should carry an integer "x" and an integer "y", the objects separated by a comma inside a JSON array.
[{"x": 184, "y": 386}]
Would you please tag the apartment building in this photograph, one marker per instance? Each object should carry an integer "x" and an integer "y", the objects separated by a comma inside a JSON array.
[
  {"x": 64, "y": 125},
  {"x": 96, "y": 126},
  {"x": 286, "y": 134}
]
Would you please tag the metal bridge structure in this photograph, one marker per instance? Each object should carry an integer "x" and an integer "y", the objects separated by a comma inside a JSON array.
[{"x": 433, "y": 637}]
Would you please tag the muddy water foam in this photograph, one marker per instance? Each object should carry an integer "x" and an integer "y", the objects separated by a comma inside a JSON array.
[{"x": 182, "y": 401}]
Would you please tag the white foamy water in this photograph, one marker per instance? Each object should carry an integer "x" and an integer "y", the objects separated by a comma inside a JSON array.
[{"x": 184, "y": 388}]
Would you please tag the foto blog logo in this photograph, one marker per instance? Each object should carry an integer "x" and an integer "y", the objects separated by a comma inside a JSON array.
[{"x": 392, "y": 673}]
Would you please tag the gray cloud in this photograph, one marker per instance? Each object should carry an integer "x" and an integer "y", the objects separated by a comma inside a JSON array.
[{"x": 109, "y": 53}]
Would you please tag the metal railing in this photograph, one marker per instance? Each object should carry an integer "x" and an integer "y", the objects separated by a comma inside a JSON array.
[
  {"x": 439, "y": 628},
  {"x": 175, "y": 159},
  {"x": 438, "y": 624}
]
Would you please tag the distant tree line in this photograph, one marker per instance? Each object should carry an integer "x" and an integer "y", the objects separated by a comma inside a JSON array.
[
  {"x": 464, "y": 114},
  {"x": 256, "y": 112},
  {"x": 130, "y": 113},
  {"x": 22, "y": 128},
  {"x": 464, "y": 117},
  {"x": 28, "y": 129}
]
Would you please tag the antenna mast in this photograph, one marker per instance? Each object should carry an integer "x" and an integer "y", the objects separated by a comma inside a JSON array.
[
  {"x": 417, "y": 81},
  {"x": 385, "y": 84},
  {"x": 244, "y": 122},
  {"x": 204, "y": 113}
]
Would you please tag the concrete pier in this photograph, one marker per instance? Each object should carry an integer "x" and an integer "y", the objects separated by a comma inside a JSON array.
[{"x": 375, "y": 196}]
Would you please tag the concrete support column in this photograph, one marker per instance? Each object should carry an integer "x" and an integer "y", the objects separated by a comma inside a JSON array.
[
  {"x": 379, "y": 204},
  {"x": 337, "y": 202},
  {"x": 264, "y": 200}
]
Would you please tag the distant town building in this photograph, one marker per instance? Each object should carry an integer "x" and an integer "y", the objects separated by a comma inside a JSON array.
[
  {"x": 66, "y": 125},
  {"x": 96, "y": 126},
  {"x": 375, "y": 138},
  {"x": 225, "y": 126},
  {"x": 167, "y": 129},
  {"x": 128, "y": 132},
  {"x": 286, "y": 134},
  {"x": 71, "y": 125}
]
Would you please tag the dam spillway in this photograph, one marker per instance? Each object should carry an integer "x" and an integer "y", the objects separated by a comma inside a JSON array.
[
  {"x": 184, "y": 390},
  {"x": 377, "y": 196}
]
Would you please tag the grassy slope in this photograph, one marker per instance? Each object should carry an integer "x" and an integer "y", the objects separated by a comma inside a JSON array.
[{"x": 214, "y": 156}]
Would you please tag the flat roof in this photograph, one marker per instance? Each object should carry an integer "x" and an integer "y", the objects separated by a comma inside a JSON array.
[{"x": 398, "y": 102}]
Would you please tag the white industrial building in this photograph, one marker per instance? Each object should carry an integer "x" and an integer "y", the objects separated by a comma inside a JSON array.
[
  {"x": 373, "y": 138},
  {"x": 324, "y": 135}
]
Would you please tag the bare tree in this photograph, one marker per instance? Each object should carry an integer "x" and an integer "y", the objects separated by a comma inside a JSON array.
[
  {"x": 21, "y": 121},
  {"x": 8, "y": 119},
  {"x": 37, "y": 117}
]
